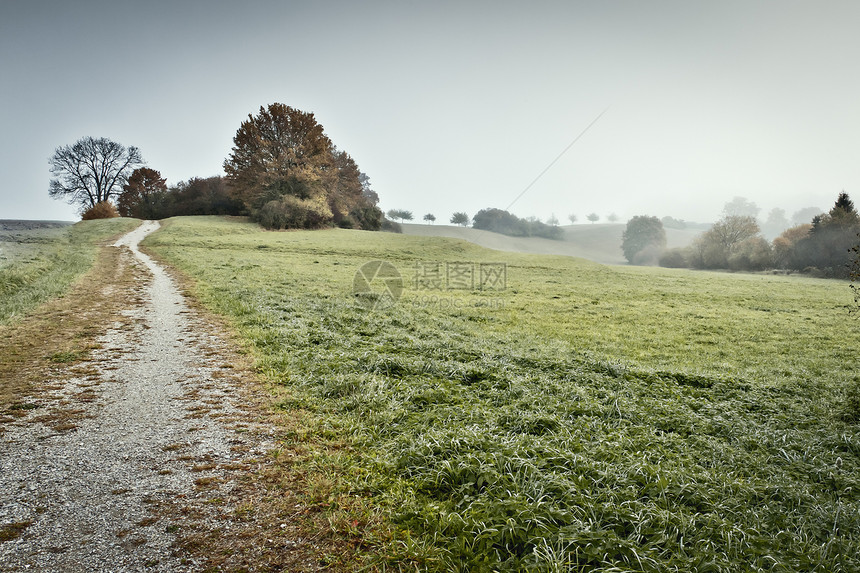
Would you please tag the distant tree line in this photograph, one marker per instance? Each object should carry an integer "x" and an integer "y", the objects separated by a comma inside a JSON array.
[
  {"x": 497, "y": 221},
  {"x": 826, "y": 246}
]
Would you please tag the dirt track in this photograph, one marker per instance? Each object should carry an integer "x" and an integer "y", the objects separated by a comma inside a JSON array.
[{"x": 158, "y": 429}]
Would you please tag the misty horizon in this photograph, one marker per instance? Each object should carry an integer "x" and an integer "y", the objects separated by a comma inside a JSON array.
[{"x": 451, "y": 107}]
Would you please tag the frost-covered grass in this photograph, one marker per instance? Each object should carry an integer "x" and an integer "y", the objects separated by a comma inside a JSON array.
[
  {"x": 40, "y": 264},
  {"x": 584, "y": 418}
]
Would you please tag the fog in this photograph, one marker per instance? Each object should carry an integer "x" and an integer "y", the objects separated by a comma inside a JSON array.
[{"x": 452, "y": 106}]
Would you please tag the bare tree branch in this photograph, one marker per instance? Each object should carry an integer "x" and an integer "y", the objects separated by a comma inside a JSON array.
[{"x": 91, "y": 171}]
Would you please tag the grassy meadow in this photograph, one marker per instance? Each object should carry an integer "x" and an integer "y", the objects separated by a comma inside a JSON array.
[
  {"x": 582, "y": 417},
  {"x": 38, "y": 263}
]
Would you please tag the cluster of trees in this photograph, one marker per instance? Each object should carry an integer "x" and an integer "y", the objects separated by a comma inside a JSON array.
[
  {"x": 500, "y": 221},
  {"x": 829, "y": 244},
  {"x": 826, "y": 246},
  {"x": 733, "y": 242},
  {"x": 288, "y": 174},
  {"x": 283, "y": 171}
]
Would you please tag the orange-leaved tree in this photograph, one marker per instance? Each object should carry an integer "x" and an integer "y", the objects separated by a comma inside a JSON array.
[
  {"x": 142, "y": 194},
  {"x": 288, "y": 173}
]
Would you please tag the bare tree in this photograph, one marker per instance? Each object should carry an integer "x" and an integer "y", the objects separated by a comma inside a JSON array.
[
  {"x": 92, "y": 170},
  {"x": 732, "y": 230}
]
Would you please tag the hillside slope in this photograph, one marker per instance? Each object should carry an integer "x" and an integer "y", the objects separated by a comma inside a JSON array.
[{"x": 599, "y": 243}]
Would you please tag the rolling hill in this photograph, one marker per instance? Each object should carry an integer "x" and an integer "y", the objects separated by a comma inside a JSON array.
[{"x": 600, "y": 243}]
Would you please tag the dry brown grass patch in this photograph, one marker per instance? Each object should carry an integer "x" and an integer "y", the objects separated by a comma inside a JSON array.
[
  {"x": 13, "y": 530},
  {"x": 52, "y": 344}
]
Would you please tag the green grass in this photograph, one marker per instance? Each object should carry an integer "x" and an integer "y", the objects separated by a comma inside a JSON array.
[
  {"x": 585, "y": 418},
  {"x": 45, "y": 264}
]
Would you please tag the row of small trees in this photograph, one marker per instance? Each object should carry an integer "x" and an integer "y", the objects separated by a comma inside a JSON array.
[
  {"x": 461, "y": 218},
  {"x": 495, "y": 220},
  {"x": 826, "y": 246}
]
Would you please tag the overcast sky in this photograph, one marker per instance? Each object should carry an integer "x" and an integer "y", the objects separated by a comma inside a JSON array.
[{"x": 455, "y": 106}]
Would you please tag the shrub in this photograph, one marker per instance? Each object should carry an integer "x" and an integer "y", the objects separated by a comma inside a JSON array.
[
  {"x": 102, "y": 210},
  {"x": 784, "y": 245},
  {"x": 368, "y": 217},
  {"x": 346, "y": 223},
  {"x": 499, "y": 221},
  {"x": 707, "y": 254},
  {"x": 751, "y": 255},
  {"x": 391, "y": 226},
  {"x": 290, "y": 212},
  {"x": 674, "y": 259},
  {"x": 647, "y": 256},
  {"x": 198, "y": 196}
]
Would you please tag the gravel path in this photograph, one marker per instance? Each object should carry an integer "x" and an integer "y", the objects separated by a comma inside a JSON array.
[{"x": 160, "y": 423}]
